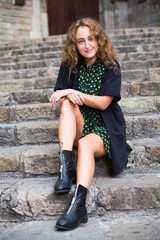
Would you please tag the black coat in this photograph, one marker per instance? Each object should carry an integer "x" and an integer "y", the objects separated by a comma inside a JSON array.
[{"x": 112, "y": 116}]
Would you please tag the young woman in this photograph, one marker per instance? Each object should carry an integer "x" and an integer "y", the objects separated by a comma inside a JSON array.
[{"x": 87, "y": 89}]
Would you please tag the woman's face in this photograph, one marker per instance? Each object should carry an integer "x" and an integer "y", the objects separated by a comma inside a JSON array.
[{"x": 87, "y": 44}]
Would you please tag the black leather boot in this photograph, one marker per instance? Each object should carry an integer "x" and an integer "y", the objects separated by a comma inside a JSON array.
[
  {"x": 76, "y": 213},
  {"x": 67, "y": 173}
]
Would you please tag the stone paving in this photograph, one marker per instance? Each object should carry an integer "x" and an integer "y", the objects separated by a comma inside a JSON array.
[{"x": 131, "y": 225}]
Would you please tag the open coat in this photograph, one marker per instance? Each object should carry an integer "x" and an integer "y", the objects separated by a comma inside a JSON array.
[{"x": 112, "y": 116}]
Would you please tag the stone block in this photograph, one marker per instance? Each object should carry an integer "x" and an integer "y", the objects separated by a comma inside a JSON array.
[
  {"x": 142, "y": 126},
  {"x": 16, "y": 84},
  {"x": 4, "y": 114},
  {"x": 41, "y": 160},
  {"x": 9, "y": 162},
  {"x": 157, "y": 102},
  {"x": 4, "y": 99},
  {"x": 37, "y": 132},
  {"x": 26, "y": 97},
  {"x": 134, "y": 75},
  {"x": 125, "y": 90},
  {"x": 7, "y": 135},
  {"x": 137, "y": 196},
  {"x": 153, "y": 153},
  {"x": 149, "y": 88},
  {"x": 45, "y": 82},
  {"x": 138, "y": 105},
  {"x": 35, "y": 112}
]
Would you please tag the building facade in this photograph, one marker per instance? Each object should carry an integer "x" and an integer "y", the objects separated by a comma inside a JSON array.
[{"x": 31, "y": 19}]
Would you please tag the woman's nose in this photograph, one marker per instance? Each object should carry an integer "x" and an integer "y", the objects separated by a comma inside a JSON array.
[{"x": 86, "y": 44}]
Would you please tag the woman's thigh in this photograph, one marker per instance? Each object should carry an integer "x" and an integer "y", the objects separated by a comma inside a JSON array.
[
  {"x": 78, "y": 117},
  {"x": 79, "y": 125},
  {"x": 93, "y": 143}
]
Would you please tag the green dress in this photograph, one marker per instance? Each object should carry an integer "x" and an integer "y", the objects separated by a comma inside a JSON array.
[{"x": 89, "y": 82}]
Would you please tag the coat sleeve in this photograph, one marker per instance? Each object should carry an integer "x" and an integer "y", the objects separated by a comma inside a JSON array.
[
  {"x": 111, "y": 83},
  {"x": 63, "y": 78}
]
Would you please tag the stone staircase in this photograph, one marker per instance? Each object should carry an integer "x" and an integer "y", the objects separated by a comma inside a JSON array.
[{"x": 28, "y": 129}]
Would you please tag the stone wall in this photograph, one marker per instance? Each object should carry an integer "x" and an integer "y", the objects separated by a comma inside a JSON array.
[
  {"x": 23, "y": 22},
  {"x": 144, "y": 13},
  {"x": 129, "y": 13}
]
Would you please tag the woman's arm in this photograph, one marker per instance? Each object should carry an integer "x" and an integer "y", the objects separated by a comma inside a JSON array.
[
  {"x": 77, "y": 96},
  {"x": 98, "y": 102}
]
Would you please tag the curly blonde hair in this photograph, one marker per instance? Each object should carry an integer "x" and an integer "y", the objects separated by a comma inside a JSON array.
[{"x": 105, "y": 52}]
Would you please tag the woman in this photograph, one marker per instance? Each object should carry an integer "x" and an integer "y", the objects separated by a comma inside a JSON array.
[{"x": 87, "y": 89}]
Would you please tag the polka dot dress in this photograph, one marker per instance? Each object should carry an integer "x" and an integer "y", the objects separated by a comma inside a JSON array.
[{"x": 89, "y": 82}]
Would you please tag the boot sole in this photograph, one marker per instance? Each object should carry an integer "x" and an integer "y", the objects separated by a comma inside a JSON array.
[{"x": 84, "y": 220}]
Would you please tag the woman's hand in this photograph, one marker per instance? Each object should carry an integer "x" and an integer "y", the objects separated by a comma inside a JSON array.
[{"x": 74, "y": 96}]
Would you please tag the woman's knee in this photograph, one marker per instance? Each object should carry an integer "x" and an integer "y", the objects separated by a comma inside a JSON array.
[
  {"x": 84, "y": 145},
  {"x": 66, "y": 105}
]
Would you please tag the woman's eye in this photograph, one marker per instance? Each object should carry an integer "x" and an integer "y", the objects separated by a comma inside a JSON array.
[
  {"x": 80, "y": 41},
  {"x": 91, "y": 38}
]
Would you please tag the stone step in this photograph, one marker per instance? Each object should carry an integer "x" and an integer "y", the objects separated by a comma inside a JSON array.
[
  {"x": 148, "y": 88},
  {"x": 145, "y": 155},
  {"x": 50, "y": 48},
  {"x": 34, "y": 50},
  {"x": 136, "y": 41},
  {"x": 25, "y": 97},
  {"x": 28, "y": 112},
  {"x": 29, "y": 160},
  {"x": 38, "y": 96},
  {"x": 12, "y": 85},
  {"x": 39, "y": 132},
  {"x": 127, "y": 31},
  {"x": 140, "y": 105},
  {"x": 31, "y": 57},
  {"x": 153, "y": 63},
  {"x": 14, "y": 45},
  {"x": 30, "y": 73},
  {"x": 33, "y": 198},
  {"x": 144, "y": 126},
  {"x": 26, "y": 86},
  {"x": 138, "y": 48},
  {"x": 31, "y": 109},
  {"x": 58, "y": 54},
  {"x": 59, "y": 39},
  {"x": 36, "y": 132},
  {"x": 139, "y": 56},
  {"x": 119, "y": 225},
  {"x": 55, "y": 62},
  {"x": 34, "y": 160},
  {"x": 127, "y": 75},
  {"x": 135, "y": 35},
  {"x": 140, "y": 75}
]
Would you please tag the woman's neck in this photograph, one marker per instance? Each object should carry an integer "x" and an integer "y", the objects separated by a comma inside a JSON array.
[{"x": 90, "y": 62}]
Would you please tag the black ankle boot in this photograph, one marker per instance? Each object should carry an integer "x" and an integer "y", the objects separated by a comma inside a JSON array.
[
  {"x": 67, "y": 174},
  {"x": 76, "y": 213}
]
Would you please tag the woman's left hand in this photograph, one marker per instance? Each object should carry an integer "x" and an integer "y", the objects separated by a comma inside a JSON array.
[{"x": 76, "y": 97}]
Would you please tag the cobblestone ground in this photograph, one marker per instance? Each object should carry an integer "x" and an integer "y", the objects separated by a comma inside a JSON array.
[{"x": 139, "y": 225}]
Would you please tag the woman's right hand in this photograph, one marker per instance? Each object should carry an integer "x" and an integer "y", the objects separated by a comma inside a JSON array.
[{"x": 56, "y": 96}]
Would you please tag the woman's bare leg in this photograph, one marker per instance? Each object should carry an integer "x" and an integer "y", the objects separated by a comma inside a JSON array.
[
  {"x": 89, "y": 147},
  {"x": 70, "y": 124}
]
